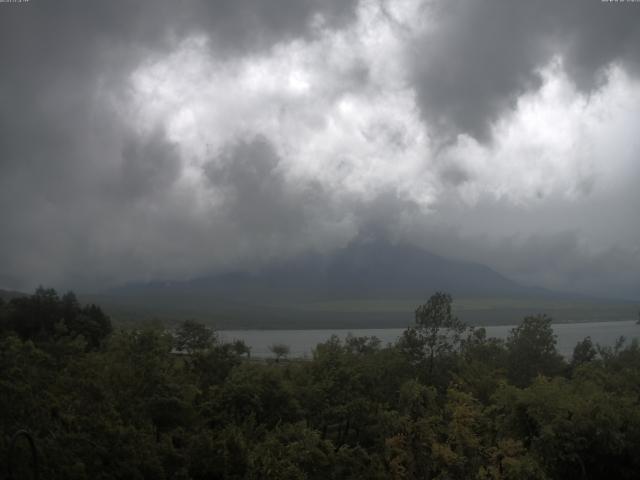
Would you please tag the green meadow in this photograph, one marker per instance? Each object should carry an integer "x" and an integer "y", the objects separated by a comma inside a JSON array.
[{"x": 354, "y": 313}]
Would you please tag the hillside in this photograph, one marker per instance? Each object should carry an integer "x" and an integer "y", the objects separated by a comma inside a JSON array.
[
  {"x": 360, "y": 270},
  {"x": 9, "y": 294},
  {"x": 366, "y": 284}
]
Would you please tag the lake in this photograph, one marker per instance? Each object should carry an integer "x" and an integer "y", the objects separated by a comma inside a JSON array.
[{"x": 302, "y": 342}]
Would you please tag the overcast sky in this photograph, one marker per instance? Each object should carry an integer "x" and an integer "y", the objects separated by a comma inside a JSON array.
[{"x": 170, "y": 139}]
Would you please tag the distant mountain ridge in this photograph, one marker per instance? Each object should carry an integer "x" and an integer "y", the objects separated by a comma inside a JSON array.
[
  {"x": 367, "y": 284},
  {"x": 10, "y": 294},
  {"x": 363, "y": 270}
]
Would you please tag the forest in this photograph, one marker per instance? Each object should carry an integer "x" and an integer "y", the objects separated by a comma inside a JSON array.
[{"x": 444, "y": 402}]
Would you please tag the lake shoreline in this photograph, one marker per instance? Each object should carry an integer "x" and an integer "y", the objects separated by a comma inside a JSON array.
[
  {"x": 395, "y": 326},
  {"x": 303, "y": 341}
]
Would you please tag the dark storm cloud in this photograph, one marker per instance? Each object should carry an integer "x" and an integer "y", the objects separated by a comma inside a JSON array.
[
  {"x": 481, "y": 55},
  {"x": 57, "y": 55},
  {"x": 72, "y": 174},
  {"x": 91, "y": 194},
  {"x": 584, "y": 247},
  {"x": 562, "y": 262},
  {"x": 149, "y": 164},
  {"x": 257, "y": 197},
  {"x": 128, "y": 220},
  {"x": 237, "y": 24}
]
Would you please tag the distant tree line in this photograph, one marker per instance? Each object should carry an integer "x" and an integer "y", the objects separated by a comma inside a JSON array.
[
  {"x": 444, "y": 402},
  {"x": 45, "y": 316}
]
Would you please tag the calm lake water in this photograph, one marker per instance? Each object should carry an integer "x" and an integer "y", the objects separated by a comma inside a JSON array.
[{"x": 302, "y": 342}]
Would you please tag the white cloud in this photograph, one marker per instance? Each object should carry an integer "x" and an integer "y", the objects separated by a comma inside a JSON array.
[
  {"x": 338, "y": 109},
  {"x": 343, "y": 112}
]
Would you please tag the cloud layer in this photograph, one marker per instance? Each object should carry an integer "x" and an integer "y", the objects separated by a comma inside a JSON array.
[{"x": 165, "y": 142}]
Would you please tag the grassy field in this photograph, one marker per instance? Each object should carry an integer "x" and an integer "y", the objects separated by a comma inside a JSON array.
[
  {"x": 353, "y": 313},
  {"x": 490, "y": 311}
]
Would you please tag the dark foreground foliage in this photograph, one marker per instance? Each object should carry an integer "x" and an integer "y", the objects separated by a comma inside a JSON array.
[{"x": 445, "y": 402}]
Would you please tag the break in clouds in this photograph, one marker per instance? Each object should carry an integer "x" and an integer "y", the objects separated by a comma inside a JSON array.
[{"x": 167, "y": 140}]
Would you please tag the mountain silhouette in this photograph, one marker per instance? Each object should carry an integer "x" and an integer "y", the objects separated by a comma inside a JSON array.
[{"x": 364, "y": 269}]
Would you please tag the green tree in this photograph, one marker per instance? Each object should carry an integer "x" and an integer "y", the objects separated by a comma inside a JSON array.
[
  {"x": 531, "y": 348},
  {"x": 35, "y": 317},
  {"x": 192, "y": 336},
  {"x": 437, "y": 332},
  {"x": 241, "y": 348},
  {"x": 45, "y": 317},
  {"x": 218, "y": 454},
  {"x": 584, "y": 352},
  {"x": 576, "y": 428},
  {"x": 4, "y": 316},
  {"x": 482, "y": 366},
  {"x": 90, "y": 322},
  {"x": 213, "y": 366},
  {"x": 280, "y": 350},
  {"x": 292, "y": 452},
  {"x": 254, "y": 393}
]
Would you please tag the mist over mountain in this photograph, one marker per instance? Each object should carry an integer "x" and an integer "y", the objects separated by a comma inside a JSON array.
[
  {"x": 365, "y": 269},
  {"x": 9, "y": 294},
  {"x": 203, "y": 137},
  {"x": 370, "y": 283},
  {"x": 259, "y": 239}
]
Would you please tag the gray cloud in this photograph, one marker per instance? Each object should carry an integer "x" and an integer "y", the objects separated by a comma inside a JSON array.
[
  {"x": 559, "y": 261},
  {"x": 131, "y": 220},
  {"x": 258, "y": 199},
  {"x": 590, "y": 246},
  {"x": 58, "y": 56},
  {"x": 149, "y": 165},
  {"x": 73, "y": 177},
  {"x": 480, "y": 56},
  {"x": 88, "y": 198}
]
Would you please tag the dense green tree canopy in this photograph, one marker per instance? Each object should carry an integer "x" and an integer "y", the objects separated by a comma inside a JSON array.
[
  {"x": 532, "y": 351},
  {"x": 44, "y": 316},
  {"x": 192, "y": 336},
  {"x": 454, "y": 404}
]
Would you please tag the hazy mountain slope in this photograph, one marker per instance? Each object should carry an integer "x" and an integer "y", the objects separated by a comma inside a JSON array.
[
  {"x": 362, "y": 270},
  {"x": 366, "y": 284},
  {"x": 9, "y": 294}
]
